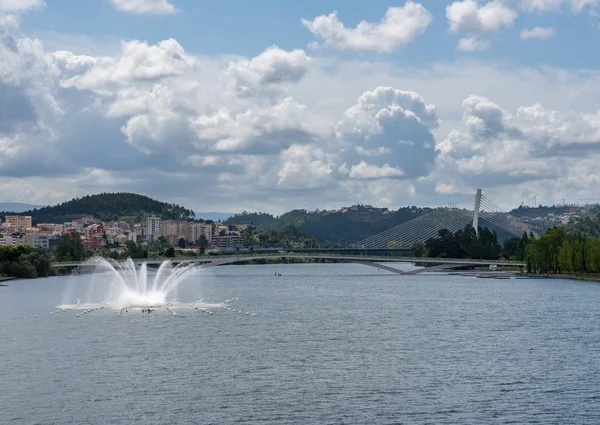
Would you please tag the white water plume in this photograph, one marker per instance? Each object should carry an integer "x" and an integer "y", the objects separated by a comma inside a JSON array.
[{"x": 122, "y": 284}]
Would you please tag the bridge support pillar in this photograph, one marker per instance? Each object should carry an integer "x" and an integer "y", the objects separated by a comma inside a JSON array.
[{"x": 476, "y": 211}]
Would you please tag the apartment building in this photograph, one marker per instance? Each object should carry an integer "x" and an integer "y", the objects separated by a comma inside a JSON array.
[
  {"x": 20, "y": 222},
  {"x": 228, "y": 241},
  {"x": 153, "y": 226},
  {"x": 93, "y": 242},
  {"x": 173, "y": 230},
  {"x": 38, "y": 240},
  {"x": 10, "y": 241},
  {"x": 193, "y": 232}
]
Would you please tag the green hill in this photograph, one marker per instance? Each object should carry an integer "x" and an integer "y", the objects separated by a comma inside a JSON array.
[
  {"x": 108, "y": 206},
  {"x": 339, "y": 227}
]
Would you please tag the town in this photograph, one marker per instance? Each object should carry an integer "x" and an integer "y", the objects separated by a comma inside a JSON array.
[{"x": 96, "y": 235}]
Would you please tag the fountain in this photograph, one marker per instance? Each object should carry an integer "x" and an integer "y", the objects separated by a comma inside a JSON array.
[{"x": 120, "y": 285}]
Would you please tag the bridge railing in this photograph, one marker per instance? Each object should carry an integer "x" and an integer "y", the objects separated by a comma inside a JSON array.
[{"x": 240, "y": 258}]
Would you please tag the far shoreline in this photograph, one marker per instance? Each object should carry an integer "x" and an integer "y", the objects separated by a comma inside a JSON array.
[{"x": 6, "y": 279}]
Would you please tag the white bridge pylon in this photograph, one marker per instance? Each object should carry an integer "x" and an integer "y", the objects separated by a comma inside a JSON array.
[{"x": 428, "y": 225}]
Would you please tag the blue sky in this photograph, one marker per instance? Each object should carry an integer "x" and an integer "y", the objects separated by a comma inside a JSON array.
[
  {"x": 247, "y": 28},
  {"x": 274, "y": 105}
]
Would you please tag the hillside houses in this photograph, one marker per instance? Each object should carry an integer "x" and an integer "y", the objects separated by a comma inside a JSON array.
[{"x": 96, "y": 235}]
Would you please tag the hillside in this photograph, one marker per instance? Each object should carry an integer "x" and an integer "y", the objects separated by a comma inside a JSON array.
[
  {"x": 539, "y": 211},
  {"x": 348, "y": 225},
  {"x": 108, "y": 206},
  {"x": 339, "y": 227}
]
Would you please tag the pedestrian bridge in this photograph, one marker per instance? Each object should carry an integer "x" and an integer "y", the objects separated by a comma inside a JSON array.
[
  {"x": 420, "y": 229},
  {"x": 433, "y": 264}
]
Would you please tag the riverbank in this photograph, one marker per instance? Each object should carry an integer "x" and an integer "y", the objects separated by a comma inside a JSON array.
[
  {"x": 593, "y": 277},
  {"x": 5, "y": 279}
]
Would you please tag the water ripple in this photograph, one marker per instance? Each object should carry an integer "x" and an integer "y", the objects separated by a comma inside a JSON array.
[{"x": 331, "y": 345}]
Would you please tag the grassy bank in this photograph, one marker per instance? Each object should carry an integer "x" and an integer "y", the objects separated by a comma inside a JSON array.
[{"x": 594, "y": 277}]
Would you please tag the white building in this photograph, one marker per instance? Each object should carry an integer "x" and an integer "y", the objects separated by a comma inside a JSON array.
[
  {"x": 153, "y": 226},
  {"x": 10, "y": 241},
  {"x": 38, "y": 240}
]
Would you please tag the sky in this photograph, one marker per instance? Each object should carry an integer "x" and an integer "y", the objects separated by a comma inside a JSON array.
[{"x": 272, "y": 105}]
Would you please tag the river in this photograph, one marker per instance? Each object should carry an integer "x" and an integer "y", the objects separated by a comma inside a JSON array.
[{"x": 329, "y": 344}]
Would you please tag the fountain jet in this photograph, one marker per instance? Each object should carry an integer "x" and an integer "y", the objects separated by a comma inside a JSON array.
[{"x": 130, "y": 286}]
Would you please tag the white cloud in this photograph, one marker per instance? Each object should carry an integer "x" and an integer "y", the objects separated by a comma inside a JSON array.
[
  {"x": 381, "y": 150},
  {"x": 137, "y": 63},
  {"x": 273, "y": 66},
  {"x": 362, "y": 170},
  {"x": 144, "y": 6},
  {"x": 472, "y": 44},
  {"x": 471, "y": 17},
  {"x": 576, "y": 6},
  {"x": 20, "y": 5},
  {"x": 9, "y": 21},
  {"x": 256, "y": 130},
  {"x": 10, "y": 11},
  {"x": 398, "y": 28},
  {"x": 29, "y": 105},
  {"x": 394, "y": 127},
  {"x": 537, "y": 32},
  {"x": 304, "y": 166},
  {"x": 156, "y": 119},
  {"x": 71, "y": 61},
  {"x": 529, "y": 149}
]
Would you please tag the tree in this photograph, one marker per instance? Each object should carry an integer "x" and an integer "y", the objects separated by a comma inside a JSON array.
[
  {"x": 135, "y": 250},
  {"x": 202, "y": 243},
  {"x": 40, "y": 261},
  {"x": 418, "y": 249},
  {"x": 510, "y": 247},
  {"x": 465, "y": 243},
  {"x": 170, "y": 252},
  {"x": 25, "y": 262},
  {"x": 446, "y": 245},
  {"x": 70, "y": 248},
  {"x": 556, "y": 251}
]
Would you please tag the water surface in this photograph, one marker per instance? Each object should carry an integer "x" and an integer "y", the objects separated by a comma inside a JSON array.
[{"x": 331, "y": 344}]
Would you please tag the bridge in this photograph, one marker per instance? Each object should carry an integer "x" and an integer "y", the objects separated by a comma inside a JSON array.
[
  {"x": 397, "y": 240},
  {"x": 484, "y": 213},
  {"x": 433, "y": 264}
]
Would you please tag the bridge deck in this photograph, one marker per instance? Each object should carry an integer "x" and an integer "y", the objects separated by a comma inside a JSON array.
[{"x": 437, "y": 264}]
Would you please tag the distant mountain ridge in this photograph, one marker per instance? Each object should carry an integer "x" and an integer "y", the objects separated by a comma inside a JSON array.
[
  {"x": 17, "y": 207},
  {"x": 214, "y": 216}
]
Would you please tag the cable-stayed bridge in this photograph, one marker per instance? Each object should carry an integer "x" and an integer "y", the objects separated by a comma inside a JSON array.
[{"x": 485, "y": 213}]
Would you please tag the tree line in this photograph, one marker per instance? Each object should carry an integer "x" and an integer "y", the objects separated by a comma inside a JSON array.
[
  {"x": 25, "y": 262},
  {"x": 559, "y": 250},
  {"x": 467, "y": 243},
  {"x": 562, "y": 251}
]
